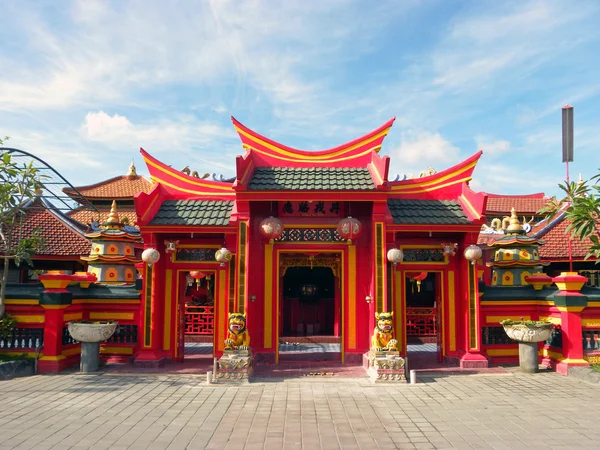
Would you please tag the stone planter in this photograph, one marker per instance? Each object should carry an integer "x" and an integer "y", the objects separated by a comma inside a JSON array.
[
  {"x": 522, "y": 332},
  {"x": 528, "y": 335},
  {"x": 90, "y": 334}
]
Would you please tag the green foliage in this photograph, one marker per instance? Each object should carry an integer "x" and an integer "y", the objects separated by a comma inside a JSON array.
[
  {"x": 596, "y": 368},
  {"x": 7, "y": 325},
  {"x": 524, "y": 322},
  {"x": 21, "y": 357},
  {"x": 18, "y": 184},
  {"x": 27, "y": 247},
  {"x": 583, "y": 211}
]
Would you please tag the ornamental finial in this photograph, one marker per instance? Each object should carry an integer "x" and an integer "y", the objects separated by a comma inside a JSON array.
[
  {"x": 514, "y": 226},
  {"x": 113, "y": 216},
  {"x": 132, "y": 172}
]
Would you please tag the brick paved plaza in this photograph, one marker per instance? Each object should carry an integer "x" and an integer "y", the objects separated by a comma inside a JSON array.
[{"x": 509, "y": 411}]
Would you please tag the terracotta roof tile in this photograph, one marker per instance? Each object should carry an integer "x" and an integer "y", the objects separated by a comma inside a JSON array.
[
  {"x": 123, "y": 187},
  {"x": 556, "y": 247},
  {"x": 523, "y": 204},
  {"x": 87, "y": 217},
  {"x": 61, "y": 238}
]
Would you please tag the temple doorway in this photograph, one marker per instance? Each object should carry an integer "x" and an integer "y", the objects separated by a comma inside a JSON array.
[
  {"x": 309, "y": 311},
  {"x": 423, "y": 318},
  {"x": 196, "y": 315}
]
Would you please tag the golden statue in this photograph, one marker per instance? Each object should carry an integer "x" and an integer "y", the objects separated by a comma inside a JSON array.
[
  {"x": 383, "y": 334},
  {"x": 238, "y": 337}
]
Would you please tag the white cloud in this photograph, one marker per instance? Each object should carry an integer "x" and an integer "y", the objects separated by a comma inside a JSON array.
[
  {"x": 490, "y": 42},
  {"x": 494, "y": 148},
  {"x": 504, "y": 179},
  {"x": 419, "y": 150}
]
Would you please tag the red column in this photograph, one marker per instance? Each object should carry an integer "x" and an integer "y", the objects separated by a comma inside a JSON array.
[
  {"x": 54, "y": 299},
  {"x": 570, "y": 302},
  {"x": 472, "y": 358}
]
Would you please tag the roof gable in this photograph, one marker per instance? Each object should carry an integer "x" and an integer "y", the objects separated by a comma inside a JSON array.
[
  {"x": 126, "y": 186},
  {"x": 62, "y": 237},
  {"x": 435, "y": 212}
]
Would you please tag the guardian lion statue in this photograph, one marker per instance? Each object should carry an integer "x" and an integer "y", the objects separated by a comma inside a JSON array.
[
  {"x": 383, "y": 334},
  {"x": 238, "y": 337}
]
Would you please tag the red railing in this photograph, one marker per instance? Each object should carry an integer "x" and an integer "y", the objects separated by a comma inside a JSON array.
[
  {"x": 420, "y": 322},
  {"x": 199, "y": 319}
]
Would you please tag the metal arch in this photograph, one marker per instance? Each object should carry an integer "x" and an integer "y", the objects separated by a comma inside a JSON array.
[{"x": 53, "y": 184}]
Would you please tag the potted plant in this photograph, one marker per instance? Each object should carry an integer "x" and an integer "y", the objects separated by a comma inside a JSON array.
[
  {"x": 528, "y": 333},
  {"x": 90, "y": 334}
]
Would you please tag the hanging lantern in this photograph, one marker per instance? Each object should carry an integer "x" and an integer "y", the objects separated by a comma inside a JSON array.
[
  {"x": 197, "y": 275},
  {"x": 395, "y": 256},
  {"x": 150, "y": 256},
  {"x": 417, "y": 277},
  {"x": 349, "y": 228},
  {"x": 271, "y": 228},
  {"x": 473, "y": 253},
  {"x": 223, "y": 256}
]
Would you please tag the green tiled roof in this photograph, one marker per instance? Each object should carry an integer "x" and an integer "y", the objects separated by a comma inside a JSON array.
[
  {"x": 436, "y": 212},
  {"x": 193, "y": 212},
  {"x": 311, "y": 179}
]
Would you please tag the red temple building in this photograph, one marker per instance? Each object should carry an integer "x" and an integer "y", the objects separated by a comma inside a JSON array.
[
  {"x": 326, "y": 271},
  {"x": 309, "y": 246}
]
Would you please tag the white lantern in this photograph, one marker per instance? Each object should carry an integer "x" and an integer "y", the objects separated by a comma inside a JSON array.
[
  {"x": 395, "y": 256},
  {"x": 223, "y": 256},
  {"x": 473, "y": 253},
  {"x": 150, "y": 256}
]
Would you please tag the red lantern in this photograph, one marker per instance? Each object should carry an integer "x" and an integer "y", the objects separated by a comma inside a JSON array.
[
  {"x": 418, "y": 277},
  {"x": 349, "y": 228},
  {"x": 197, "y": 275},
  {"x": 271, "y": 228}
]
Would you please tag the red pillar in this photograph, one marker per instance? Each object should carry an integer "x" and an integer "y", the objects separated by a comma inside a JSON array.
[
  {"x": 472, "y": 358},
  {"x": 54, "y": 299},
  {"x": 570, "y": 302}
]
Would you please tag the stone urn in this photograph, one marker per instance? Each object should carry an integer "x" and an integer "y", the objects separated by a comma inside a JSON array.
[
  {"x": 90, "y": 334},
  {"x": 528, "y": 333}
]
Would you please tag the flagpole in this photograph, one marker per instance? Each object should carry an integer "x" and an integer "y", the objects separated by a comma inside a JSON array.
[{"x": 567, "y": 138}]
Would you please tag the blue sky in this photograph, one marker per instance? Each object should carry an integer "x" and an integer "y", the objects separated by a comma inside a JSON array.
[{"x": 86, "y": 83}]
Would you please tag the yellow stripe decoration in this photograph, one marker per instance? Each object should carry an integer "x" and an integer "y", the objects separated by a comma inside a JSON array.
[
  {"x": 111, "y": 316},
  {"x": 310, "y": 158},
  {"x": 451, "y": 311},
  {"x": 116, "y": 350},
  {"x": 29, "y": 319},
  {"x": 168, "y": 306},
  {"x": 268, "y": 317},
  {"x": 351, "y": 296},
  {"x": 221, "y": 308}
]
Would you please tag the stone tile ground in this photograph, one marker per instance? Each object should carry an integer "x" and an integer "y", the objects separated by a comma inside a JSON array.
[{"x": 508, "y": 411}]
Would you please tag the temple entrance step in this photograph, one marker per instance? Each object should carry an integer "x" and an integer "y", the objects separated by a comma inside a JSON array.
[{"x": 310, "y": 339}]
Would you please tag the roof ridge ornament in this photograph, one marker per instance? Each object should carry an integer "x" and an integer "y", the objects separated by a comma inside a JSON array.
[
  {"x": 514, "y": 226},
  {"x": 113, "y": 221},
  {"x": 132, "y": 172}
]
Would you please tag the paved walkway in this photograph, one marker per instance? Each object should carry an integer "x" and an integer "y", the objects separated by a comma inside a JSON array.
[{"x": 107, "y": 410}]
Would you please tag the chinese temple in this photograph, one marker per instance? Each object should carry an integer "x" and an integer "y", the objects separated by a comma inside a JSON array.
[{"x": 308, "y": 243}]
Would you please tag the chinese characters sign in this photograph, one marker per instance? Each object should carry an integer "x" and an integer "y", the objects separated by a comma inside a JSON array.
[{"x": 310, "y": 209}]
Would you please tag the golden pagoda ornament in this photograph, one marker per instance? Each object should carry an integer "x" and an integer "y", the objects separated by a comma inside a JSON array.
[{"x": 112, "y": 258}]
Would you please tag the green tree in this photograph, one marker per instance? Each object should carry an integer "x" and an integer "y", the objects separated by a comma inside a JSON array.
[
  {"x": 582, "y": 210},
  {"x": 18, "y": 184}
]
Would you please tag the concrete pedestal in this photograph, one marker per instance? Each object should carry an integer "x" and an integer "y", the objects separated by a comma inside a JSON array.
[
  {"x": 528, "y": 357},
  {"x": 90, "y": 357},
  {"x": 235, "y": 365},
  {"x": 384, "y": 366}
]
